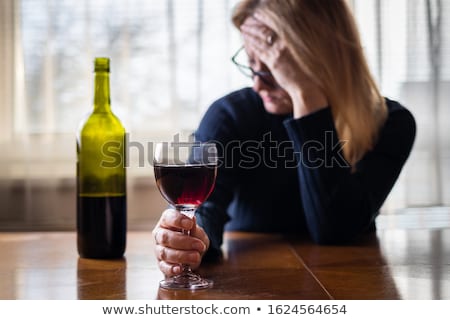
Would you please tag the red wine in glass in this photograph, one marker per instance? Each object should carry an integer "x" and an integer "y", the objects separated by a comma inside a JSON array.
[{"x": 185, "y": 185}]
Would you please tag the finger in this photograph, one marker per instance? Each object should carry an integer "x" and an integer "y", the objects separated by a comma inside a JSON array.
[
  {"x": 253, "y": 27},
  {"x": 257, "y": 45},
  {"x": 172, "y": 218},
  {"x": 174, "y": 256},
  {"x": 256, "y": 41},
  {"x": 198, "y": 232},
  {"x": 263, "y": 19},
  {"x": 169, "y": 269},
  {"x": 255, "y": 33},
  {"x": 256, "y": 24},
  {"x": 180, "y": 241}
]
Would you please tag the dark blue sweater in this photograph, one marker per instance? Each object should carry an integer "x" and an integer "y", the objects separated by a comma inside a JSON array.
[{"x": 279, "y": 174}]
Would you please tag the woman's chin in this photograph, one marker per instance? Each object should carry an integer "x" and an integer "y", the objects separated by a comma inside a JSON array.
[{"x": 274, "y": 108}]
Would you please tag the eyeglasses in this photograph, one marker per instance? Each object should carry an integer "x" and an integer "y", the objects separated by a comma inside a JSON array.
[{"x": 248, "y": 71}]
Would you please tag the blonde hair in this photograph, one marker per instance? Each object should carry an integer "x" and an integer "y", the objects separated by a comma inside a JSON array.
[{"x": 323, "y": 39}]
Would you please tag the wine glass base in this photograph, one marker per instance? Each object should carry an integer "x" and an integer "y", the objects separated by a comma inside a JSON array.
[{"x": 186, "y": 281}]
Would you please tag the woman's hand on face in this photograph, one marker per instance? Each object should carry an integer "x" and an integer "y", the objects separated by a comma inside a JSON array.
[
  {"x": 174, "y": 248},
  {"x": 305, "y": 94},
  {"x": 275, "y": 56}
]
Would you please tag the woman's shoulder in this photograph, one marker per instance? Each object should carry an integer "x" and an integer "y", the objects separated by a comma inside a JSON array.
[
  {"x": 399, "y": 115},
  {"x": 399, "y": 131},
  {"x": 239, "y": 106},
  {"x": 232, "y": 113}
]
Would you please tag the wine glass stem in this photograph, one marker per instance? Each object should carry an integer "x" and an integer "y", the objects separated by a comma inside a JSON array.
[
  {"x": 188, "y": 212},
  {"x": 185, "y": 267}
]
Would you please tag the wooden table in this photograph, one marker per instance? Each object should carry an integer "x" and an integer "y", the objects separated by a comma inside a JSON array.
[{"x": 395, "y": 263}]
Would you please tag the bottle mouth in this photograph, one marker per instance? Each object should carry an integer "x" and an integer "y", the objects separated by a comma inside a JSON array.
[{"x": 101, "y": 64}]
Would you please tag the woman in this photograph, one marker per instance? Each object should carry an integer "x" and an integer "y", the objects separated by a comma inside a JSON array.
[{"x": 313, "y": 148}]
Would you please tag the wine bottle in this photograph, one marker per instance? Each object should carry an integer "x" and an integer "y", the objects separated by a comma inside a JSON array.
[{"x": 101, "y": 176}]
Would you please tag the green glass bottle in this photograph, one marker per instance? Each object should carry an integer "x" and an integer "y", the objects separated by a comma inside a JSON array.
[{"x": 101, "y": 176}]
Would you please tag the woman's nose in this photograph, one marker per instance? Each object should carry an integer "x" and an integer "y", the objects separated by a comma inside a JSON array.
[{"x": 259, "y": 84}]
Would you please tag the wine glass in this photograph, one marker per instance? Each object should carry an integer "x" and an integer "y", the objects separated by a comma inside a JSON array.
[{"x": 185, "y": 174}]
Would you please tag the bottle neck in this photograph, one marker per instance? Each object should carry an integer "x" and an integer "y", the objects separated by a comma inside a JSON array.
[{"x": 102, "y": 101}]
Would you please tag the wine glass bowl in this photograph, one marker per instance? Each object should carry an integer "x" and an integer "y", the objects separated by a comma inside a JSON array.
[{"x": 185, "y": 174}]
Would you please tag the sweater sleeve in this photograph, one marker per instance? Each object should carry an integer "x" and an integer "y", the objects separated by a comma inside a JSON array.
[
  {"x": 340, "y": 204},
  {"x": 218, "y": 126}
]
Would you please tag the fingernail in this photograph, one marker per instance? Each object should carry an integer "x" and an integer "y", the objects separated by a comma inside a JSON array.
[
  {"x": 186, "y": 223},
  {"x": 176, "y": 269}
]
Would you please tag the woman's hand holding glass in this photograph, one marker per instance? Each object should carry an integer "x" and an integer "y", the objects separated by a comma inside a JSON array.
[
  {"x": 185, "y": 174},
  {"x": 173, "y": 248}
]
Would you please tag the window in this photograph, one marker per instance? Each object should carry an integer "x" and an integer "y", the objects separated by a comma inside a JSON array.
[{"x": 169, "y": 62}]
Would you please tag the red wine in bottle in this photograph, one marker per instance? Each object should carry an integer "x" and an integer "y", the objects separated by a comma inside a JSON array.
[{"x": 101, "y": 222}]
